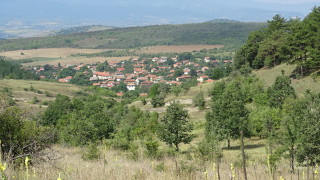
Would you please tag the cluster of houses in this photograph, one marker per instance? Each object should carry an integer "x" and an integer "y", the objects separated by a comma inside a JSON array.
[
  {"x": 142, "y": 77},
  {"x": 145, "y": 78}
]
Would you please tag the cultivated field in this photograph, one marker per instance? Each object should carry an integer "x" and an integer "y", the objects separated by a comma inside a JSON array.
[
  {"x": 53, "y": 56},
  {"x": 48, "y": 53},
  {"x": 77, "y": 60},
  {"x": 177, "y": 48}
]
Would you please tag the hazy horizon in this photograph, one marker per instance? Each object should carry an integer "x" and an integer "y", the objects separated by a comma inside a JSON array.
[{"x": 46, "y": 15}]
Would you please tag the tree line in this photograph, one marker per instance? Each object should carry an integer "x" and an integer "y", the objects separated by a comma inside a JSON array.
[
  {"x": 292, "y": 41},
  {"x": 11, "y": 69}
]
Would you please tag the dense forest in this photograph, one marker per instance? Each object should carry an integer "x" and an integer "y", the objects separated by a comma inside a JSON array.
[
  {"x": 292, "y": 41},
  {"x": 232, "y": 34}
]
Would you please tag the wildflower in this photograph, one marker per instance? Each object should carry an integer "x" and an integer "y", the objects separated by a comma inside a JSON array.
[
  {"x": 3, "y": 166},
  {"x": 59, "y": 177},
  {"x": 233, "y": 173},
  {"x": 26, "y": 161},
  {"x": 206, "y": 174}
]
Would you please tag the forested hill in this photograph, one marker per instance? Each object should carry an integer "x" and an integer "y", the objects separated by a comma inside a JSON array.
[
  {"x": 293, "y": 41},
  {"x": 82, "y": 29},
  {"x": 232, "y": 34}
]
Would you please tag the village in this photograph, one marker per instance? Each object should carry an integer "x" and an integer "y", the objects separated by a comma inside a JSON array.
[{"x": 137, "y": 72}]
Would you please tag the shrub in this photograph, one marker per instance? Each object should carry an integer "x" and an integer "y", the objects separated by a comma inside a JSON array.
[
  {"x": 152, "y": 148},
  {"x": 91, "y": 152},
  {"x": 35, "y": 100},
  {"x": 21, "y": 137},
  {"x": 48, "y": 94}
]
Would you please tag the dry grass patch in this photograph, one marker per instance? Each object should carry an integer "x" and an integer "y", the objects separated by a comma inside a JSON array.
[
  {"x": 117, "y": 165},
  {"x": 78, "y": 60},
  {"x": 48, "y": 52},
  {"x": 177, "y": 48},
  {"x": 268, "y": 76}
]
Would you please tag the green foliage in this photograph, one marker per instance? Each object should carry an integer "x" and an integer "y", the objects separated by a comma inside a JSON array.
[
  {"x": 61, "y": 106},
  {"x": 280, "y": 90},
  {"x": 91, "y": 152},
  {"x": 104, "y": 67},
  {"x": 199, "y": 101},
  {"x": 291, "y": 41},
  {"x": 122, "y": 87},
  {"x": 35, "y": 100},
  {"x": 229, "y": 115},
  {"x": 152, "y": 147},
  {"x": 122, "y": 38},
  {"x": 66, "y": 72},
  {"x": 176, "y": 90},
  {"x": 81, "y": 79},
  {"x": 307, "y": 123},
  {"x": 20, "y": 137},
  {"x": 175, "y": 126},
  {"x": 13, "y": 70},
  {"x": 158, "y": 100}
]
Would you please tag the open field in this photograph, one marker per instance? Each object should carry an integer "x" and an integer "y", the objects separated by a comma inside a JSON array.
[
  {"x": 53, "y": 56},
  {"x": 78, "y": 60},
  {"x": 44, "y": 91},
  {"x": 120, "y": 165},
  {"x": 177, "y": 48},
  {"x": 48, "y": 52},
  {"x": 300, "y": 85}
]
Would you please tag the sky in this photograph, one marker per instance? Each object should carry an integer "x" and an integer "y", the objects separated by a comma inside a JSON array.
[{"x": 123, "y": 13}]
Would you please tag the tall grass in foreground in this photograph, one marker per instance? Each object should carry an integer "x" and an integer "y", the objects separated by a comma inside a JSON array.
[{"x": 118, "y": 165}]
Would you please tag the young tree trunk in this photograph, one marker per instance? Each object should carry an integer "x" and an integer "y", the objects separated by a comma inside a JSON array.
[
  {"x": 177, "y": 147},
  {"x": 228, "y": 143},
  {"x": 218, "y": 167},
  {"x": 243, "y": 157},
  {"x": 292, "y": 158}
]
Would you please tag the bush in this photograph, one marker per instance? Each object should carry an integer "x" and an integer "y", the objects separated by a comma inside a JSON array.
[
  {"x": 48, "y": 94},
  {"x": 152, "y": 148},
  {"x": 35, "y": 100},
  {"x": 160, "y": 167},
  {"x": 91, "y": 153},
  {"x": 21, "y": 137}
]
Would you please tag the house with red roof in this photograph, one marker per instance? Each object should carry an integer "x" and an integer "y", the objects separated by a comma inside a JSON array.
[
  {"x": 66, "y": 79},
  {"x": 131, "y": 86},
  {"x": 120, "y": 69},
  {"x": 202, "y": 78}
]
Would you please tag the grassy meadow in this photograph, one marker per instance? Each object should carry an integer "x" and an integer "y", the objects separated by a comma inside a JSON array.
[{"x": 67, "y": 162}]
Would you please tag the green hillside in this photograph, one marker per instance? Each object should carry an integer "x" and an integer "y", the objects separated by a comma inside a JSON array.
[{"x": 231, "y": 34}]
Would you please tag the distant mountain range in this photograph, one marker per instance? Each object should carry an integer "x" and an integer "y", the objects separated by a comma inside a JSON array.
[
  {"x": 223, "y": 32},
  {"x": 25, "y": 18}
]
